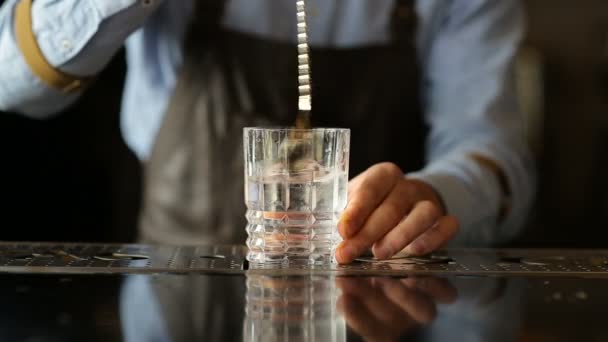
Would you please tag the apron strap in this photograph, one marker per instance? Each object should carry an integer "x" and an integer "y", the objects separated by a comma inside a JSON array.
[
  {"x": 404, "y": 23},
  {"x": 205, "y": 26}
]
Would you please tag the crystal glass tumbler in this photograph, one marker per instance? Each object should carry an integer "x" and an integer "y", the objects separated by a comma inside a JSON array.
[{"x": 295, "y": 191}]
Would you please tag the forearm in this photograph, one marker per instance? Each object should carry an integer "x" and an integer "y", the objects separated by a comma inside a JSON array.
[
  {"x": 491, "y": 201},
  {"x": 75, "y": 37},
  {"x": 477, "y": 154}
]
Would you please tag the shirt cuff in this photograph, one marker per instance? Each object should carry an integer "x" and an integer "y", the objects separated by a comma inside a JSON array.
[
  {"x": 78, "y": 20},
  {"x": 64, "y": 29},
  {"x": 472, "y": 195}
]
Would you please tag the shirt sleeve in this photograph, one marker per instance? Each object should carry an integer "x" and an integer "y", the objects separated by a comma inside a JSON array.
[
  {"x": 471, "y": 107},
  {"x": 78, "y": 37}
]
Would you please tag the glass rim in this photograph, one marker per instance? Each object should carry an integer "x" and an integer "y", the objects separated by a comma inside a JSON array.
[{"x": 292, "y": 129}]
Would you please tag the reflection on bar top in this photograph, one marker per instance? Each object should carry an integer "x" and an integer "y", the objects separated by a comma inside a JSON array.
[{"x": 261, "y": 307}]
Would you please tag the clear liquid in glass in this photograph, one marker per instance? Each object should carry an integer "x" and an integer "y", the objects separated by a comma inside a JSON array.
[{"x": 295, "y": 191}]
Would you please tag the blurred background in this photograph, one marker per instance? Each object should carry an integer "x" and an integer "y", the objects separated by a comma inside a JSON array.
[{"x": 72, "y": 178}]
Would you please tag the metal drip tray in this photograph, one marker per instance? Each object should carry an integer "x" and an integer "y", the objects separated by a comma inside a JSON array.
[
  {"x": 110, "y": 258},
  {"x": 104, "y": 258}
]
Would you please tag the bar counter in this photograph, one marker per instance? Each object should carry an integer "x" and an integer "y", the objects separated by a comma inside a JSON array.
[{"x": 72, "y": 292}]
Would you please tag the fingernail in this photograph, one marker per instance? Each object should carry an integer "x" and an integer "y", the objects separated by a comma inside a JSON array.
[
  {"x": 382, "y": 252},
  {"x": 343, "y": 226},
  {"x": 346, "y": 253},
  {"x": 340, "y": 305},
  {"x": 414, "y": 248}
]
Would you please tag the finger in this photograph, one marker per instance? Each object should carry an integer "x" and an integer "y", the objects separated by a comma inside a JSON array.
[
  {"x": 383, "y": 219},
  {"x": 419, "y": 306},
  {"x": 424, "y": 216},
  {"x": 388, "y": 168},
  {"x": 439, "y": 289},
  {"x": 356, "y": 315},
  {"x": 354, "y": 285},
  {"x": 445, "y": 229},
  {"x": 354, "y": 183},
  {"x": 372, "y": 297},
  {"x": 384, "y": 310},
  {"x": 377, "y": 310},
  {"x": 370, "y": 189}
]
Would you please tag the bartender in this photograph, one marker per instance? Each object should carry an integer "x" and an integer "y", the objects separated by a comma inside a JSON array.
[{"x": 426, "y": 88}]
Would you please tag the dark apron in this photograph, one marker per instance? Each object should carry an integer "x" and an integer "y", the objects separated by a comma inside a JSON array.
[{"x": 193, "y": 185}]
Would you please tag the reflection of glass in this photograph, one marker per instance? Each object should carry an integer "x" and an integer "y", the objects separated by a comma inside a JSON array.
[
  {"x": 323, "y": 308},
  {"x": 295, "y": 190},
  {"x": 292, "y": 309},
  {"x": 384, "y": 309}
]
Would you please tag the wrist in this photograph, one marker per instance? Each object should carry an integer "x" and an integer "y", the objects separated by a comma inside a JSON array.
[{"x": 428, "y": 192}]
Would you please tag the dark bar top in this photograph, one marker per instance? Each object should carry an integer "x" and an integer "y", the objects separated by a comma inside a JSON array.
[
  {"x": 168, "y": 307},
  {"x": 250, "y": 305}
]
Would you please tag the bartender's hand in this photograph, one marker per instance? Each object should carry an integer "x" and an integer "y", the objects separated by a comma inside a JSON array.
[{"x": 388, "y": 212}]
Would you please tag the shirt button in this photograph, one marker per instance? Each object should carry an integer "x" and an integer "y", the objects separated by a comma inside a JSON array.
[
  {"x": 147, "y": 3},
  {"x": 66, "y": 45}
]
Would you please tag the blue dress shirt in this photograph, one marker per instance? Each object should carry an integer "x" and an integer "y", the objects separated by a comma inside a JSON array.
[{"x": 466, "y": 49}]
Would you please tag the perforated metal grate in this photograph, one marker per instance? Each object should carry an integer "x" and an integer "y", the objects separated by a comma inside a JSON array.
[{"x": 98, "y": 258}]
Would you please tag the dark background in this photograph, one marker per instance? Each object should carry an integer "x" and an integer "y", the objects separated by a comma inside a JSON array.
[
  {"x": 72, "y": 178},
  {"x": 570, "y": 39}
]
